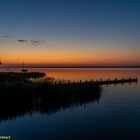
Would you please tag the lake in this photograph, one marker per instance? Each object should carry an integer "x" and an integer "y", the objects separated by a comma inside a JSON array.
[{"x": 113, "y": 116}]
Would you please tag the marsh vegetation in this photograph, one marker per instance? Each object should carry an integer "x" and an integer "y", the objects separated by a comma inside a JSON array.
[{"x": 21, "y": 94}]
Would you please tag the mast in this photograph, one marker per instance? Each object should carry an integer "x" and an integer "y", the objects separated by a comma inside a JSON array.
[
  {"x": 23, "y": 68},
  {"x": 0, "y": 63},
  {"x": 23, "y": 65}
]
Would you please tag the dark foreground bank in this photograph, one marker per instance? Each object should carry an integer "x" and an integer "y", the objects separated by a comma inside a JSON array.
[{"x": 21, "y": 94}]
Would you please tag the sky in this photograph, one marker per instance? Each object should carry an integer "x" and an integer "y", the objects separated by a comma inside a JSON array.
[{"x": 70, "y": 32}]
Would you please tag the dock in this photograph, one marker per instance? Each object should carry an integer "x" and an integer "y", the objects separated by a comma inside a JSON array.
[
  {"x": 103, "y": 82},
  {"x": 114, "y": 81},
  {"x": 117, "y": 81}
]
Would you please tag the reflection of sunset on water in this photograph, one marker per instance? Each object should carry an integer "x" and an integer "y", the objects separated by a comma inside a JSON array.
[{"x": 86, "y": 73}]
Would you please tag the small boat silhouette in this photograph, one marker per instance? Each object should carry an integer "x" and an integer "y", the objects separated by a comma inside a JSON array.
[{"x": 23, "y": 69}]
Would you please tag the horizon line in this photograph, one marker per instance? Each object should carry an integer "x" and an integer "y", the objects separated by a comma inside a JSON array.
[{"x": 71, "y": 66}]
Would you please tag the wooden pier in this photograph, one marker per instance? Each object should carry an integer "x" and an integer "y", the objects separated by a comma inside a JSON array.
[
  {"x": 115, "y": 81},
  {"x": 100, "y": 82}
]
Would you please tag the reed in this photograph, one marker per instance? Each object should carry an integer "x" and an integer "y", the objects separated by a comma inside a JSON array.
[{"x": 21, "y": 95}]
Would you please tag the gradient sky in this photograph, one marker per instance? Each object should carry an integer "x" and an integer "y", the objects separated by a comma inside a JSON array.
[{"x": 70, "y": 32}]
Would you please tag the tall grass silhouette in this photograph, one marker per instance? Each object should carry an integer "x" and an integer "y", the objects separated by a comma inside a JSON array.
[{"x": 21, "y": 94}]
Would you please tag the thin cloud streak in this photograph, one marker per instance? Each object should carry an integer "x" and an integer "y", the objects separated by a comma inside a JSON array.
[
  {"x": 34, "y": 42},
  {"x": 22, "y": 41},
  {"x": 6, "y": 36}
]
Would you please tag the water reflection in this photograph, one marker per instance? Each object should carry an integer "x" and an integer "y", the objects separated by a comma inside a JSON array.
[
  {"x": 85, "y": 73},
  {"x": 117, "y": 115},
  {"x": 14, "y": 105}
]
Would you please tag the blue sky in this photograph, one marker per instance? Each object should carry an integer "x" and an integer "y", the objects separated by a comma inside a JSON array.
[
  {"x": 84, "y": 21},
  {"x": 71, "y": 19}
]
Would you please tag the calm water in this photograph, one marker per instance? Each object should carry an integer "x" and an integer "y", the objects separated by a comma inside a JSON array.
[{"x": 116, "y": 115}]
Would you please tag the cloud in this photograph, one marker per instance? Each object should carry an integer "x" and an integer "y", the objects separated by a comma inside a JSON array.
[
  {"x": 32, "y": 42},
  {"x": 37, "y": 41},
  {"x": 22, "y": 41},
  {"x": 6, "y": 36}
]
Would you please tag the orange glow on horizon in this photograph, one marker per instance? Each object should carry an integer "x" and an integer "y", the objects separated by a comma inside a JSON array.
[{"x": 93, "y": 55}]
